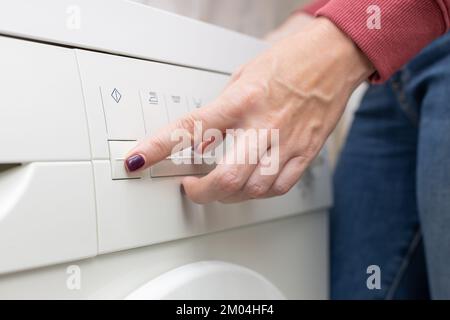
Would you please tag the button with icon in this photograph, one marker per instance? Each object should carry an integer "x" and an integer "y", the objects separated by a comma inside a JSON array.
[
  {"x": 154, "y": 110},
  {"x": 123, "y": 113},
  {"x": 176, "y": 106}
]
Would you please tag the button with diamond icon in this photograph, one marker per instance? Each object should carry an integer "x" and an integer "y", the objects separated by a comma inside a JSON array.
[{"x": 116, "y": 95}]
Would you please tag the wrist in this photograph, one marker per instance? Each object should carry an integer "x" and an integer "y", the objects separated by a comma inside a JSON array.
[
  {"x": 299, "y": 19},
  {"x": 343, "y": 50}
]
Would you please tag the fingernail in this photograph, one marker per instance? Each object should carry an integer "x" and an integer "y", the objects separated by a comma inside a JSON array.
[{"x": 135, "y": 162}]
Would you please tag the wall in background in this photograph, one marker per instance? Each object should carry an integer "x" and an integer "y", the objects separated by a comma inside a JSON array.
[{"x": 253, "y": 17}]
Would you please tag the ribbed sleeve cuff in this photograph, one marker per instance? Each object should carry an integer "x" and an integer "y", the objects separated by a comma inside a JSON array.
[{"x": 405, "y": 27}]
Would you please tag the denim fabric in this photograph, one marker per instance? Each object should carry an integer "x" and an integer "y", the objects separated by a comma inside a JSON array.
[{"x": 392, "y": 187}]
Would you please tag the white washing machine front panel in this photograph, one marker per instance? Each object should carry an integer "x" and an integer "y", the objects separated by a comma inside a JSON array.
[{"x": 291, "y": 253}]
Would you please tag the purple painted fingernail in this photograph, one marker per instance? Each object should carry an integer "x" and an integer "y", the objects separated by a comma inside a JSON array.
[{"x": 135, "y": 162}]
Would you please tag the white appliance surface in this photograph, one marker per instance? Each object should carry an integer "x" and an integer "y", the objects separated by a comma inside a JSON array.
[
  {"x": 71, "y": 108},
  {"x": 290, "y": 253},
  {"x": 208, "y": 280}
]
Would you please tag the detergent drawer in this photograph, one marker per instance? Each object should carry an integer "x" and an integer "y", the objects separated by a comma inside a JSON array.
[
  {"x": 128, "y": 99},
  {"x": 47, "y": 203},
  {"x": 42, "y": 116}
]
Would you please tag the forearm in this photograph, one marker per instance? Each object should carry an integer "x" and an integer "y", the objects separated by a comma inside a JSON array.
[{"x": 389, "y": 33}]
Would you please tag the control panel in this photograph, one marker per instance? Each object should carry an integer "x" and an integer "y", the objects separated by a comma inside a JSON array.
[{"x": 127, "y": 99}]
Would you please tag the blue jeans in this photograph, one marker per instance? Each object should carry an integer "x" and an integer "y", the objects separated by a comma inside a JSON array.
[{"x": 392, "y": 187}]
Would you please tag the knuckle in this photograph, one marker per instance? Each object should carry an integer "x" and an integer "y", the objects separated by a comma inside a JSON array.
[
  {"x": 274, "y": 121},
  {"x": 300, "y": 162},
  {"x": 312, "y": 149},
  {"x": 310, "y": 146},
  {"x": 243, "y": 97},
  {"x": 252, "y": 93},
  {"x": 304, "y": 150},
  {"x": 158, "y": 146},
  {"x": 247, "y": 94},
  {"x": 255, "y": 190},
  {"x": 229, "y": 181},
  {"x": 187, "y": 123},
  {"x": 280, "y": 189}
]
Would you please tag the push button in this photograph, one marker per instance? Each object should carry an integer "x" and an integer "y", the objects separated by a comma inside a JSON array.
[
  {"x": 181, "y": 164},
  {"x": 176, "y": 107},
  {"x": 118, "y": 150},
  {"x": 123, "y": 113},
  {"x": 155, "y": 114},
  {"x": 167, "y": 168}
]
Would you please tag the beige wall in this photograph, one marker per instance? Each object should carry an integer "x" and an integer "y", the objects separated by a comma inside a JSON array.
[{"x": 253, "y": 17}]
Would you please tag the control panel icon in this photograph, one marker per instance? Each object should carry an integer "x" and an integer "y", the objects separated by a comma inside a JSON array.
[
  {"x": 197, "y": 102},
  {"x": 176, "y": 99},
  {"x": 153, "y": 98},
  {"x": 116, "y": 95}
]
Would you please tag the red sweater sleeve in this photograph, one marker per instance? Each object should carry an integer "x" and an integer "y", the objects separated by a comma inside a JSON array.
[{"x": 404, "y": 27}]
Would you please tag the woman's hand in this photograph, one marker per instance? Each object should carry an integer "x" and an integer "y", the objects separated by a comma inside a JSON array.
[{"x": 299, "y": 86}]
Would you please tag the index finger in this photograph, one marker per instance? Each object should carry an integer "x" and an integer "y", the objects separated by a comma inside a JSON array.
[{"x": 161, "y": 145}]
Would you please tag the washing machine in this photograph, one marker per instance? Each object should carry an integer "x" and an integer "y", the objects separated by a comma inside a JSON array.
[{"x": 81, "y": 82}]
